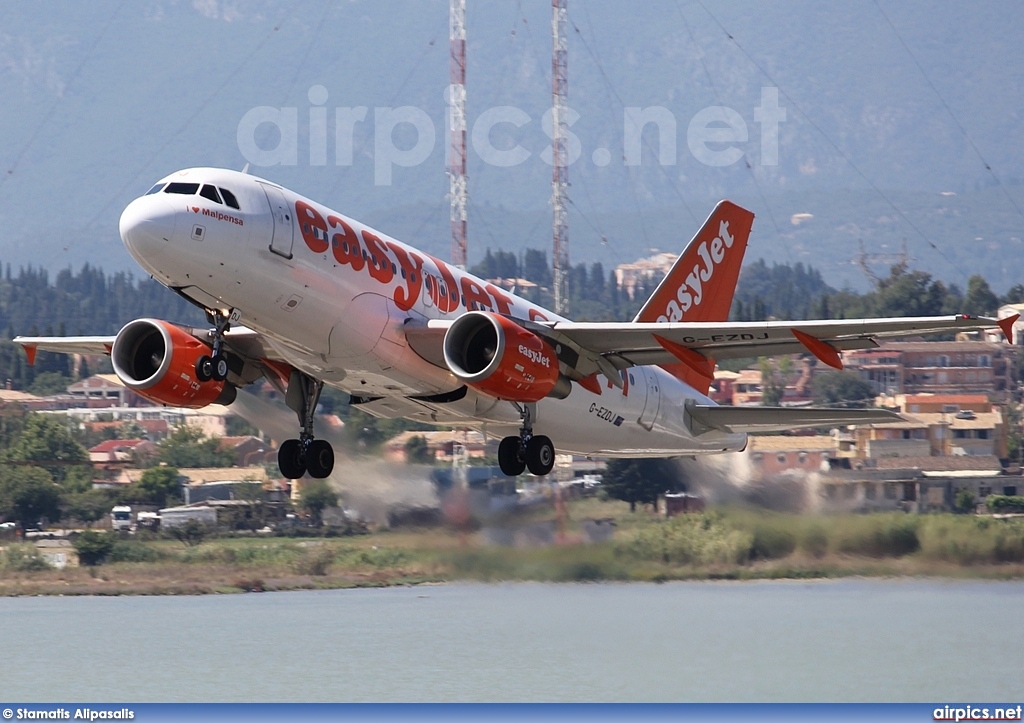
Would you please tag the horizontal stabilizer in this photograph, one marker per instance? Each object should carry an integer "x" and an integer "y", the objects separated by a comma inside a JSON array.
[{"x": 777, "y": 419}]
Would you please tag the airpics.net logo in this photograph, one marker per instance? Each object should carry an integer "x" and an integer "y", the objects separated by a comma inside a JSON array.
[{"x": 716, "y": 136}]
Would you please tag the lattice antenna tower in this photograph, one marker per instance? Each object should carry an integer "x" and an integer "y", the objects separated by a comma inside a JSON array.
[
  {"x": 863, "y": 260},
  {"x": 457, "y": 129},
  {"x": 559, "y": 154}
]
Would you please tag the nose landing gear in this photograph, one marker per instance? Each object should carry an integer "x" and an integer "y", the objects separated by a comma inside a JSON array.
[
  {"x": 295, "y": 457},
  {"x": 536, "y": 453},
  {"x": 216, "y": 366}
]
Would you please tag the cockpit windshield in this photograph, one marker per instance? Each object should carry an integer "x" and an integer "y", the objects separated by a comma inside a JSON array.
[
  {"x": 211, "y": 193},
  {"x": 185, "y": 189}
]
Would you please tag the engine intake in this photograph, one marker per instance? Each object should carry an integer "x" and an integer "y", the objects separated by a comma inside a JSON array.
[
  {"x": 495, "y": 355},
  {"x": 157, "y": 360}
]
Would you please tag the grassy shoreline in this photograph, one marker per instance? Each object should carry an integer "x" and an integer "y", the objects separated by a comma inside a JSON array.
[{"x": 722, "y": 545}]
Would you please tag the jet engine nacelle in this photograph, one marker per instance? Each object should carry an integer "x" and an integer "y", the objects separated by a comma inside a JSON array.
[
  {"x": 496, "y": 356},
  {"x": 157, "y": 360}
]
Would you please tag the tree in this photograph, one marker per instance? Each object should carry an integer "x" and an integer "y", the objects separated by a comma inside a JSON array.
[
  {"x": 964, "y": 501},
  {"x": 93, "y": 547},
  {"x": 1014, "y": 295},
  {"x": 838, "y": 388},
  {"x": 639, "y": 480},
  {"x": 130, "y": 429},
  {"x": 192, "y": 533},
  {"x": 46, "y": 440},
  {"x": 417, "y": 451},
  {"x": 316, "y": 496},
  {"x": 28, "y": 495},
  {"x": 909, "y": 293},
  {"x": 772, "y": 387},
  {"x": 88, "y": 506},
  {"x": 980, "y": 299},
  {"x": 536, "y": 268},
  {"x": 187, "y": 446},
  {"x": 49, "y": 383},
  {"x": 159, "y": 486}
]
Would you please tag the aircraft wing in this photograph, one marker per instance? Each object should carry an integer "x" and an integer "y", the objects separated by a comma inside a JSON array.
[
  {"x": 585, "y": 348},
  {"x": 243, "y": 341},
  {"x": 259, "y": 357},
  {"x": 91, "y": 345},
  {"x": 778, "y": 419},
  {"x": 624, "y": 345}
]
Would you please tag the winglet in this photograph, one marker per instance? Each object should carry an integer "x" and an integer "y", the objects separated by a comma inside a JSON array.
[
  {"x": 1007, "y": 326},
  {"x": 30, "y": 352},
  {"x": 822, "y": 350}
]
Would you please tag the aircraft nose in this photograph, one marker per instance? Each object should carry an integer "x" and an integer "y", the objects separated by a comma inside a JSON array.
[{"x": 147, "y": 224}]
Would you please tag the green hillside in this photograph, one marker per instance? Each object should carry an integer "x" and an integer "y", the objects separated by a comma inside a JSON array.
[{"x": 883, "y": 114}]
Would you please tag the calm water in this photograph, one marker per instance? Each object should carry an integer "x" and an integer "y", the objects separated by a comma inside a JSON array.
[{"x": 787, "y": 641}]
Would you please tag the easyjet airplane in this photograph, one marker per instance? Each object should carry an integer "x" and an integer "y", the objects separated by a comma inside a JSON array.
[{"x": 305, "y": 296}]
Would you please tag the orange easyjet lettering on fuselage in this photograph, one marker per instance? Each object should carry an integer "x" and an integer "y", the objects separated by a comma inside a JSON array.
[
  {"x": 345, "y": 245},
  {"x": 380, "y": 263},
  {"x": 364, "y": 249},
  {"x": 445, "y": 294},
  {"x": 312, "y": 226},
  {"x": 412, "y": 273}
]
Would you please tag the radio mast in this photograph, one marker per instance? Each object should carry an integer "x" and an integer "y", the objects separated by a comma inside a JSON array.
[
  {"x": 559, "y": 156},
  {"x": 457, "y": 129}
]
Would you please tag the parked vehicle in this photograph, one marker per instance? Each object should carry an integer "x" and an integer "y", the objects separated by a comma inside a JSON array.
[{"x": 121, "y": 518}]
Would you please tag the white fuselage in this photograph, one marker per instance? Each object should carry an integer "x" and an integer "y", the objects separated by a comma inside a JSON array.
[{"x": 332, "y": 297}]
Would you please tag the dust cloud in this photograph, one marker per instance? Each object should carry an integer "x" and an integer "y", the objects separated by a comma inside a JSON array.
[
  {"x": 371, "y": 487},
  {"x": 732, "y": 479}
]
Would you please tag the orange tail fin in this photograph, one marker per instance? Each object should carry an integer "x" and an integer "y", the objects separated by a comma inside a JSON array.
[{"x": 701, "y": 283}]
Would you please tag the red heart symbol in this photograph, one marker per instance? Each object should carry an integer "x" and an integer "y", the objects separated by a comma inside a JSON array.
[{"x": 195, "y": 209}]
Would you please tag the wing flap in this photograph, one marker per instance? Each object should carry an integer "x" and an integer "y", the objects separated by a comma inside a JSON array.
[{"x": 705, "y": 418}]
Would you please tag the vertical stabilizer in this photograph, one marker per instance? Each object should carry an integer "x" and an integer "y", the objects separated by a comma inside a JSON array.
[{"x": 701, "y": 283}]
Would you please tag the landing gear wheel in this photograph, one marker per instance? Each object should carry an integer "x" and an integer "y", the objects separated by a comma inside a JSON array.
[
  {"x": 508, "y": 457},
  {"x": 204, "y": 368},
  {"x": 289, "y": 459},
  {"x": 540, "y": 455},
  {"x": 219, "y": 364},
  {"x": 320, "y": 459}
]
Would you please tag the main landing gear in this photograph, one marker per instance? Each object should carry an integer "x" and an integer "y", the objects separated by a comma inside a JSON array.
[
  {"x": 516, "y": 454},
  {"x": 296, "y": 457},
  {"x": 215, "y": 366}
]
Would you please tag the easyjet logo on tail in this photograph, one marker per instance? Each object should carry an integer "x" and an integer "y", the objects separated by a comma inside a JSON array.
[
  {"x": 691, "y": 292},
  {"x": 700, "y": 285}
]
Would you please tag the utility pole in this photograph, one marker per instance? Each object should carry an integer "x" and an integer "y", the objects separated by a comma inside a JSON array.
[
  {"x": 457, "y": 130},
  {"x": 559, "y": 155}
]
